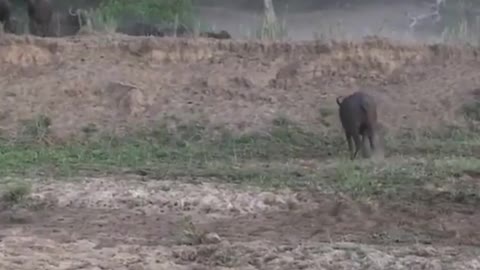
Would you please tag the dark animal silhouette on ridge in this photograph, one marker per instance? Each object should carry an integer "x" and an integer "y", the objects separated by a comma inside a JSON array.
[
  {"x": 358, "y": 114},
  {"x": 5, "y": 15},
  {"x": 40, "y": 13}
]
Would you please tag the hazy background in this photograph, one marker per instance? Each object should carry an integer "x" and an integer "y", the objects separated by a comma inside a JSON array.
[{"x": 303, "y": 19}]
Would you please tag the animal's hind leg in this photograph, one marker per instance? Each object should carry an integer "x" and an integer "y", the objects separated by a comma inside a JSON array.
[
  {"x": 350, "y": 143},
  {"x": 371, "y": 139},
  {"x": 364, "y": 149},
  {"x": 356, "y": 139}
]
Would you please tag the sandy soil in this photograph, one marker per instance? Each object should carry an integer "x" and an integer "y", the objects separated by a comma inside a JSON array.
[{"x": 115, "y": 223}]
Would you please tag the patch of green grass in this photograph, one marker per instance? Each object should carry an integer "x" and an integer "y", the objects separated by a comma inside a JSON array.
[
  {"x": 154, "y": 11},
  {"x": 284, "y": 155},
  {"x": 450, "y": 141},
  {"x": 189, "y": 149},
  {"x": 402, "y": 176}
]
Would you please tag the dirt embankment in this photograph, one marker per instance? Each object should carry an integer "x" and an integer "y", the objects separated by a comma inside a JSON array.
[{"x": 116, "y": 82}]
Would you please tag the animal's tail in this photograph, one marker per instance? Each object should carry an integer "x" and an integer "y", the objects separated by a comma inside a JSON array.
[{"x": 339, "y": 100}]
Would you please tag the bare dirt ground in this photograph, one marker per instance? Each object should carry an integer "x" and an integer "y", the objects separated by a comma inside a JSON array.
[
  {"x": 114, "y": 223},
  {"x": 117, "y": 82},
  {"x": 82, "y": 82},
  {"x": 130, "y": 224}
]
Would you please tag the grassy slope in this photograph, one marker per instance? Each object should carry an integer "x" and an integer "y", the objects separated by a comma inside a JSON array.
[{"x": 286, "y": 156}]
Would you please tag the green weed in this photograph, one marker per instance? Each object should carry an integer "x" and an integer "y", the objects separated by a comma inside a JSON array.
[{"x": 154, "y": 11}]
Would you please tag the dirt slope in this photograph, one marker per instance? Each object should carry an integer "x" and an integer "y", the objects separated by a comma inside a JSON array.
[{"x": 119, "y": 81}]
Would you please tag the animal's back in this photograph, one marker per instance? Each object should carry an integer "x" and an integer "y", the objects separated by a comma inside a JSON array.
[
  {"x": 352, "y": 113},
  {"x": 369, "y": 106}
]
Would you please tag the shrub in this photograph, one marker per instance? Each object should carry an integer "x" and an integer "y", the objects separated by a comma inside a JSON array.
[{"x": 154, "y": 11}]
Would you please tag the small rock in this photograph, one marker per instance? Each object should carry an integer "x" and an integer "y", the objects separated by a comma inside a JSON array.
[
  {"x": 209, "y": 203},
  {"x": 424, "y": 251},
  {"x": 211, "y": 238},
  {"x": 268, "y": 198},
  {"x": 292, "y": 204}
]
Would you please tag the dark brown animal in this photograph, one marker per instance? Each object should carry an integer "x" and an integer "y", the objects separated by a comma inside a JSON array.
[
  {"x": 358, "y": 114},
  {"x": 5, "y": 16},
  {"x": 147, "y": 29},
  {"x": 217, "y": 35},
  {"x": 140, "y": 29},
  {"x": 40, "y": 13}
]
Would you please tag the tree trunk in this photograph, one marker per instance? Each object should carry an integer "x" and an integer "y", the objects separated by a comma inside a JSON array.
[{"x": 269, "y": 29}]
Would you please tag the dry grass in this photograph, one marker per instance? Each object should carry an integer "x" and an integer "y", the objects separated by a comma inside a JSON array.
[{"x": 63, "y": 80}]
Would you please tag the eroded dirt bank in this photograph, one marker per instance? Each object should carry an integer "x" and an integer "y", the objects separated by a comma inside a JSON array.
[
  {"x": 112, "y": 82},
  {"x": 115, "y": 223}
]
